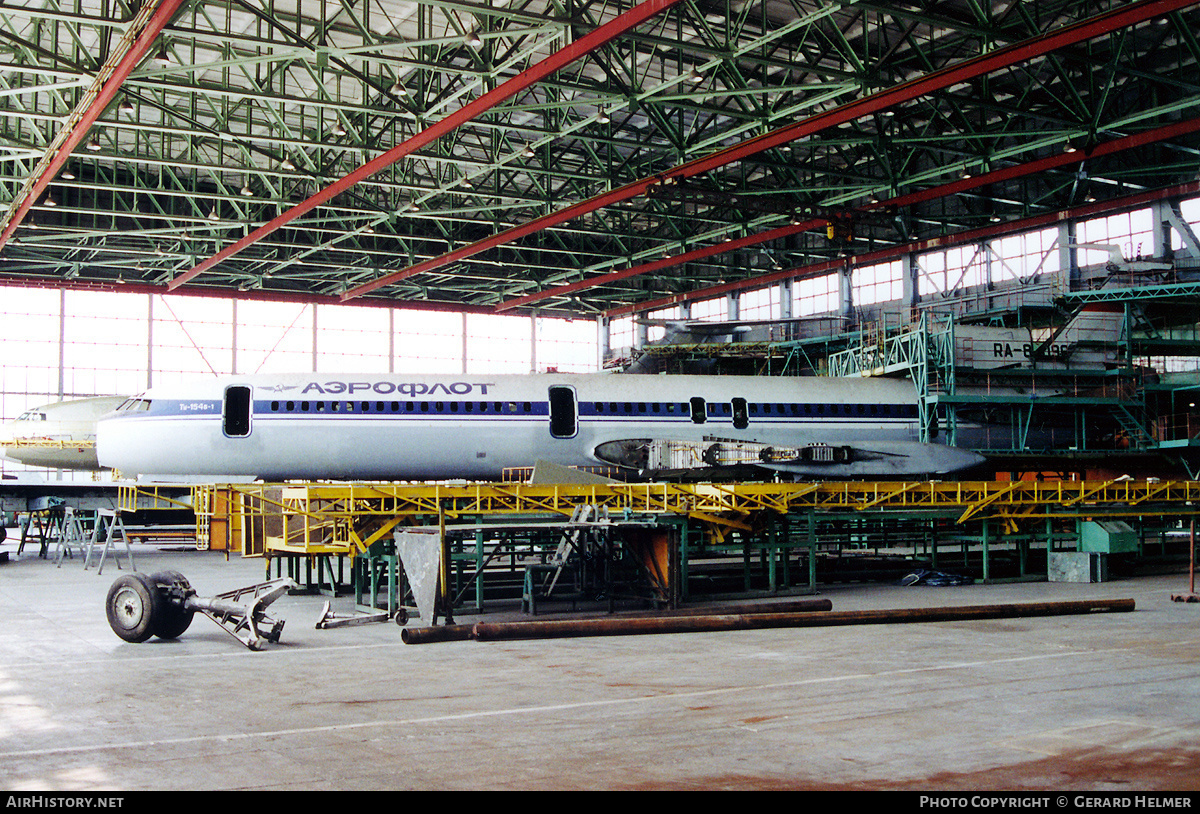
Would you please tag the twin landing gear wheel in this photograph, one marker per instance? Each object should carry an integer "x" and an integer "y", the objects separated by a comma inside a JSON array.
[
  {"x": 133, "y": 606},
  {"x": 163, "y": 604},
  {"x": 140, "y": 606},
  {"x": 174, "y": 616}
]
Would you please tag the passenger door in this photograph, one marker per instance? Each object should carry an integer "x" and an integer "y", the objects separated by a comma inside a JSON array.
[
  {"x": 564, "y": 415},
  {"x": 236, "y": 410}
]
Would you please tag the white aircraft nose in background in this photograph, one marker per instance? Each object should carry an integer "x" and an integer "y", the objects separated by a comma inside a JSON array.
[{"x": 61, "y": 435}]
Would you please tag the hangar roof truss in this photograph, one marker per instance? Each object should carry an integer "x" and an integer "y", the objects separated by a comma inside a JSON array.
[{"x": 748, "y": 124}]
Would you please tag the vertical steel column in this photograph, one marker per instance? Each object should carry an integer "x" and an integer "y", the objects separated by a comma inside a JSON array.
[
  {"x": 812, "y": 551},
  {"x": 149, "y": 341},
  {"x": 479, "y": 563},
  {"x": 986, "y": 539},
  {"x": 681, "y": 592},
  {"x": 62, "y": 337}
]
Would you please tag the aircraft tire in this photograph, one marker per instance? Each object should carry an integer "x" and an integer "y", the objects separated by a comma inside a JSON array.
[
  {"x": 173, "y": 618},
  {"x": 133, "y": 606}
]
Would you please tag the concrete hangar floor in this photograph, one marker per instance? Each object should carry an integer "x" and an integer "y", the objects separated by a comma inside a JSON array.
[{"x": 1098, "y": 702}]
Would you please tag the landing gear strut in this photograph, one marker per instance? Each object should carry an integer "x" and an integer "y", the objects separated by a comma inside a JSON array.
[{"x": 163, "y": 604}]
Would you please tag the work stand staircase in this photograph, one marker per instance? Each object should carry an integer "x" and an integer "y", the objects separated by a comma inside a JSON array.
[
  {"x": 923, "y": 350},
  {"x": 570, "y": 543},
  {"x": 1132, "y": 418},
  {"x": 573, "y": 545},
  {"x": 588, "y": 563}
]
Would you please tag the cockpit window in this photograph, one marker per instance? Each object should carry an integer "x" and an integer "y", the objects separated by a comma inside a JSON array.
[
  {"x": 31, "y": 415},
  {"x": 134, "y": 405}
]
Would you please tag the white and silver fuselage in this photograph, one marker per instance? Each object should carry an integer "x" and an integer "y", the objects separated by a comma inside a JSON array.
[{"x": 425, "y": 427}]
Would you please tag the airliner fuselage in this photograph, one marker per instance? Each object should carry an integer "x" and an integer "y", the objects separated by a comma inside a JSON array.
[{"x": 425, "y": 427}]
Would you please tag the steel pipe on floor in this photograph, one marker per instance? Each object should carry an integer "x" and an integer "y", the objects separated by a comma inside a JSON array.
[
  {"x": 753, "y": 621},
  {"x": 440, "y": 633},
  {"x": 457, "y": 633}
]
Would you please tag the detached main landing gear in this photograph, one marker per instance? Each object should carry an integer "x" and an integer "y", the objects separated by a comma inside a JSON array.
[{"x": 163, "y": 604}]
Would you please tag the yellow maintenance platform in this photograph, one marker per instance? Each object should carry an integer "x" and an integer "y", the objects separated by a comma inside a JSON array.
[{"x": 361, "y": 513}]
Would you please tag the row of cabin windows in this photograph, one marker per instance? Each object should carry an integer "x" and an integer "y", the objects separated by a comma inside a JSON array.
[
  {"x": 698, "y": 409},
  {"x": 561, "y": 407},
  {"x": 507, "y": 407},
  {"x": 725, "y": 408}
]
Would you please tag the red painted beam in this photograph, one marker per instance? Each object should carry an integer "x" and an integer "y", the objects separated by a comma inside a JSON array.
[
  {"x": 1001, "y": 58},
  {"x": 895, "y": 252},
  {"x": 531, "y": 76},
  {"x": 658, "y": 265},
  {"x": 945, "y": 190},
  {"x": 108, "y": 91},
  {"x": 976, "y": 181},
  {"x": 254, "y": 294}
]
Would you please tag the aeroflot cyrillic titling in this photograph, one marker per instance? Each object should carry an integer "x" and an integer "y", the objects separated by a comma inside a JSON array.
[{"x": 403, "y": 388}]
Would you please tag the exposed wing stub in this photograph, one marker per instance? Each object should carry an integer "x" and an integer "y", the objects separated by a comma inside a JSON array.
[{"x": 658, "y": 457}]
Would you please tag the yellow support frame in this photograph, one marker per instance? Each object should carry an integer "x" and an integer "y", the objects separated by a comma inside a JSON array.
[{"x": 360, "y": 514}]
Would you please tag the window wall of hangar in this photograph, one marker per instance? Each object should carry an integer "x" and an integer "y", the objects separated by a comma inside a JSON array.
[
  {"x": 953, "y": 277},
  {"x": 67, "y": 344}
]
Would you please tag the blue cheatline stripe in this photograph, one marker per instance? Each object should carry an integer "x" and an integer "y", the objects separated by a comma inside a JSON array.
[{"x": 718, "y": 412}]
